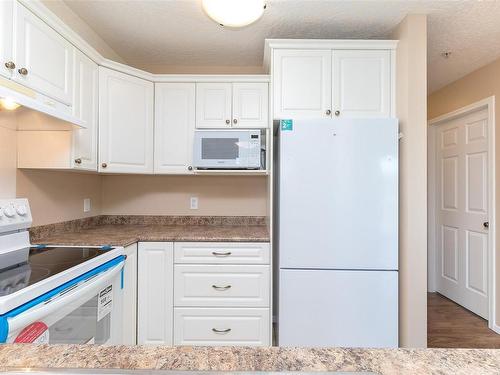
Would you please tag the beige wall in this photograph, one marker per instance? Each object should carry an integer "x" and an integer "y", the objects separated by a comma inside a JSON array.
[
  {"x": 7, "y": 155},
  {"x": 476, "y": 86},
  {"x": 411, "y": 93},
  {"x": 70, "y": 18},
  {"x": 170, "y": 195},
  {"x": 58, "y": 196},
  {"x": 186, "y": 69}
]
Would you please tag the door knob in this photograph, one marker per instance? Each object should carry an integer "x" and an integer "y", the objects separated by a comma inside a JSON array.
[
  {"x": 10, "y": 65},
  {"x": 23, "y": 71},
  {"x": 486, "y": 224}
]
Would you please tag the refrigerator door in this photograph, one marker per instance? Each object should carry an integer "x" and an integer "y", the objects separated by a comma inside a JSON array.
[
  {"x": 338, "y": 194},
  {"x": 323, "y": 308}
]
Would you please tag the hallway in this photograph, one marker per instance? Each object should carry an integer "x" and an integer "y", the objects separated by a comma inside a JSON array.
[{"x": 451, "y": 326}]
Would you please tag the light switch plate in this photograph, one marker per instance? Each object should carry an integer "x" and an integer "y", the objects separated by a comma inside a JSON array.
[{"x": 86, "y": 205}]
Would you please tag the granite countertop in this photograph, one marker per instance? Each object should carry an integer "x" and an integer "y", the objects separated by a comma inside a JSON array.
[
  {"x": 126, "y": 230},
  {"x": 381, "y": 361},
  {"x": 124, "y": 235}
]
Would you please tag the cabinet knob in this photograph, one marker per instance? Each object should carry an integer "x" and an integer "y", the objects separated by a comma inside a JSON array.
[
  {"x": 190, "y": 168},
  {"x": 104, "y": 165},
  {"x": 235, "y": 121},
  {"x": 23, "y": 71},
  {"x": 228, "y": 122},
  {"x": 78, "y": 161},
  {"x": 486, "y": 224},
  {"x": 337, "y": 113},
  {"x": 328, "y": 112},
  {"x": 10, "y": 65}
]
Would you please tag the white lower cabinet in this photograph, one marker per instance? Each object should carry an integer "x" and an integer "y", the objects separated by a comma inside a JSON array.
[
  {"x": 129, "y": 330},
  {"x": 211, "y": 293},
  {"x": 155, "y": 297},
  {"x": 221, "y": 285},
  {"x": 222, "y": 326}
]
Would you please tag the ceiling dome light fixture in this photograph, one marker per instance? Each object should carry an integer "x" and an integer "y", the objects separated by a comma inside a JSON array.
[{"x": 234, "y": 13}]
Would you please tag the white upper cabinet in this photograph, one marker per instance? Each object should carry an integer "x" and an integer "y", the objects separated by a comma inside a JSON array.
[
  {"x": 361, "y": 83},
  {"x": 85, "y": 107},
  {"x": 6, "y": 38},
  {"x": 250, "y": 105},
  {"x": 238, "y": 104},
  {"x": 125, "y": 123},
  {"x": 302, "y": 83},
  {"x": 213, "y": 105},
  {"x": 43, "y": 58},
  {"x": 174, "y": 127},
  {"x": 349, "y": 80}
]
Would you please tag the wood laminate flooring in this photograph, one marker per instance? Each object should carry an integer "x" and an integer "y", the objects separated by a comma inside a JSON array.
[{"x": 449, "y": 325}]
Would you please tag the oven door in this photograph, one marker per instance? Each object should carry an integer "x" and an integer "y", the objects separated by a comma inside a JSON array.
[{"x": 86, "y": 310}]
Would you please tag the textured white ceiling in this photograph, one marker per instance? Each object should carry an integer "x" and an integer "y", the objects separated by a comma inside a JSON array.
[{"x": 178, "y": 33}]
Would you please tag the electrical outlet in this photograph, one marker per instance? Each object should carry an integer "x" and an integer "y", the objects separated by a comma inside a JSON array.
[
  {"x": 193, "y": 203},
  {"x": 86, "y": 205}
]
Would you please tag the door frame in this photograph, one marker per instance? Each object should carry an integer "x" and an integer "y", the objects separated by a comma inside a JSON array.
[{"x": 488, "y": 104}]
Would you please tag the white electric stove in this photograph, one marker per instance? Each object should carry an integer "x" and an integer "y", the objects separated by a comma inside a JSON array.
[{"x": 56, "y": 294}]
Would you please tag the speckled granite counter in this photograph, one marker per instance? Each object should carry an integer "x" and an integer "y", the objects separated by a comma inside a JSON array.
[
  {"x": 384, "y": 362},
  {"x": 126, "y": 230}
]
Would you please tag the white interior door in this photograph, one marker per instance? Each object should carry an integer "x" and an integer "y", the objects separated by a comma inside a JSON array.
[{"x": 462, "y": 211}]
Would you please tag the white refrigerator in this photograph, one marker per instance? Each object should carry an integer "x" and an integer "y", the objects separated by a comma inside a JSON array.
[{"x": 337, "y": 232}]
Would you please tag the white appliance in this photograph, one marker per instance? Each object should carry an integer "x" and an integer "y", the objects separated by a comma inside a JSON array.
[
  {"x": 56, "y": 294},
  {"x": 337, "y": 232},
  {"x": 227, "y": 149}
]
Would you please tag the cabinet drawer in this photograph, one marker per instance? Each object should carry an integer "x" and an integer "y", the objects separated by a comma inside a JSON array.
[
  {"x": 212, "y": 326},
  {"x": 220, "y": 252},
  {"x": 221, "y": 285}
]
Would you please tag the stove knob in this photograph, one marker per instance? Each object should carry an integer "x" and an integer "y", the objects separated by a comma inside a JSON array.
[
  {"x": 9, "y": 211},
  {"x": 21, "y": 210}
]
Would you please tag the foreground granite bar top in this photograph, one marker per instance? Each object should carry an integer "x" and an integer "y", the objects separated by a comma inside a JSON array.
[
  {"x": 126, "y": 230},
  {"x": 381, "y": 361}
]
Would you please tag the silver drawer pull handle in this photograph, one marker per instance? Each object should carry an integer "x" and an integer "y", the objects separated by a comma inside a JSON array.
[
  {"x": 216, "y": 287},
  {"x": 227, "y": 330},
  {"x": 218, "y": 254}
]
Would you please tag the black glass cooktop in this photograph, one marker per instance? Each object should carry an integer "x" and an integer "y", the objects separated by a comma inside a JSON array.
[{"x": 42, "y": 263}]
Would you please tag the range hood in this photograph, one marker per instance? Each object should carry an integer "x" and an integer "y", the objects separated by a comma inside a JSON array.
[{"x": 33, "y": 113}]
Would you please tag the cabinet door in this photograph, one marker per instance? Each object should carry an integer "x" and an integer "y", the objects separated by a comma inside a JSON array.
[
  {"x": 250, "y": 105},
  {"x": 129, "y": 330},
  {"x": 6, "y": 36},
  {"x": 213, "y": 105},
  {"x": 155, "y": 293},
  {"x": 85, "y": 107},
  {"x": 46, "y": 56},
  {"x": 125, "y": 123},
  {"x": 302, "y": 83},
  {"x": 362, "y": 83},
  {"x": 174, "y": 127}
]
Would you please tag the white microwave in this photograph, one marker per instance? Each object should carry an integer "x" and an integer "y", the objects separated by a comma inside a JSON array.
[{"x": 227, "y": 149}]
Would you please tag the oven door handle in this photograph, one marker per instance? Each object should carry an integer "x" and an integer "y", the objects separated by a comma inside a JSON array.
[{"x": 83, "y": 288}]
